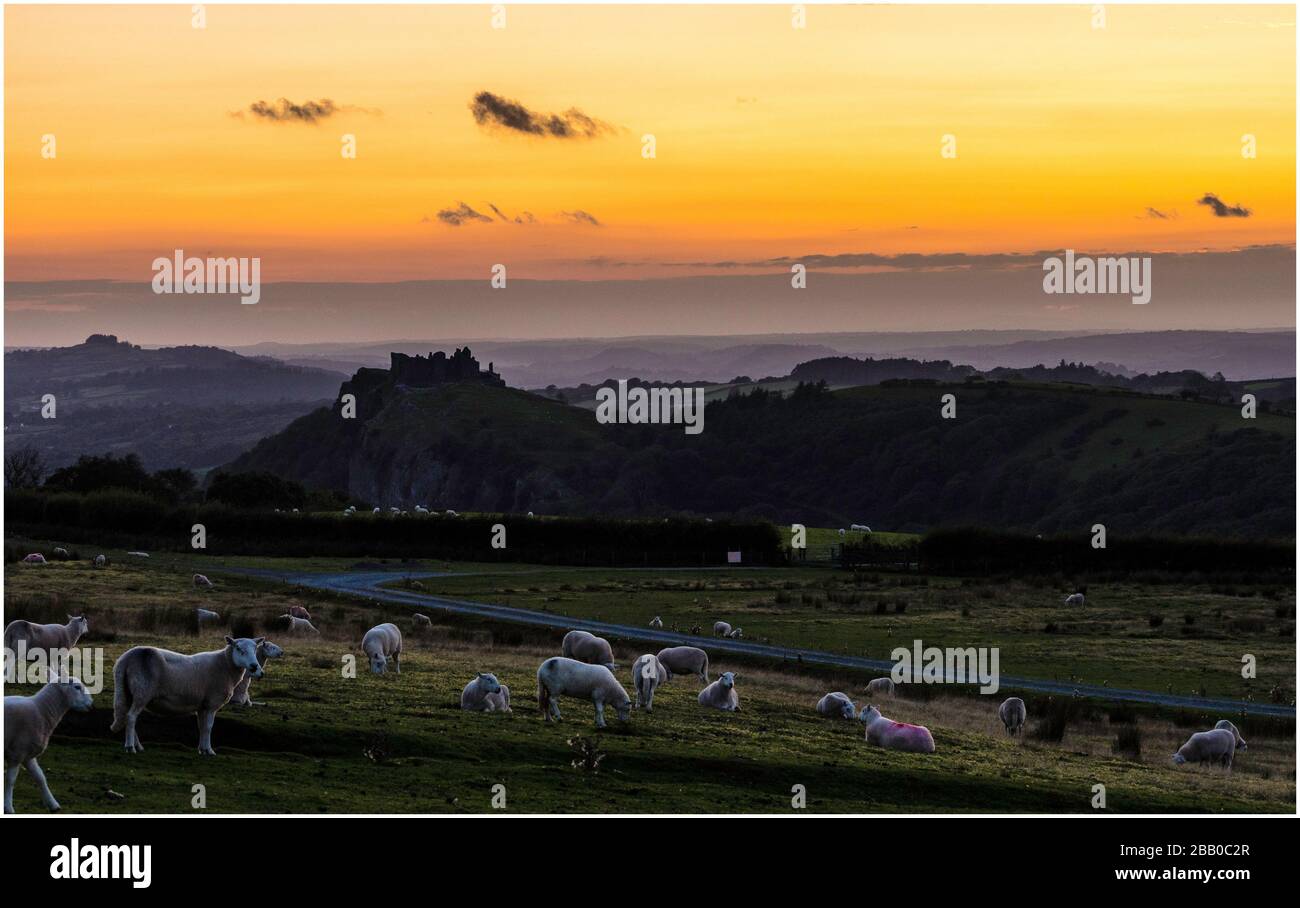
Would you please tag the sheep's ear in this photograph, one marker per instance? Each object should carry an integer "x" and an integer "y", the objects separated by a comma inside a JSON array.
[
  {"x": 230, "y": 640},
  {"x": 259, "y": 640}
]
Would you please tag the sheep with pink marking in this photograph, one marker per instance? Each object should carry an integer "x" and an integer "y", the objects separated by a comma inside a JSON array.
[{"x": 893, "y": 735}]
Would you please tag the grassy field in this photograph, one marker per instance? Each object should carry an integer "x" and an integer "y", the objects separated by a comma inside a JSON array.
[{"x": 324, "y": 742}]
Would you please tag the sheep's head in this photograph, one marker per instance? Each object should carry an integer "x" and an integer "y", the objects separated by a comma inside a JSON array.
[
  {"x": 378, "y": 664},
  {"x": 78, "y": 697},
  {"x": 488, "y": 683},
  {"x": 79, "y": 623},
  {"x": 869, "y": 714},
  {"x": 1178, "y": 759},
  {"x": 243, "y": 653},
  {"x": 623, "y": 708},
  {"x": 846, "y": 709},
  {"x": 269, "y": 650},
  {"x": 727, "y": 680}
]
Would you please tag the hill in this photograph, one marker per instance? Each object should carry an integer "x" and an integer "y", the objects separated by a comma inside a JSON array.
[
  {"x": 1045, "y": 457},
  {"x": 176, "y": 406}
]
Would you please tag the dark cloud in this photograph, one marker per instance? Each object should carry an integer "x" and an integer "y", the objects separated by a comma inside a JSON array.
[
  {"x": 495, "y": 111},
  {"x": 1221, "y": 208},
  {"x": 1157, "y": 214},
  {"x": 525, "y": 218},
  {"x": 580, "y": 217},
  {"x": 461, "y": 214},
  {"x": 285, "y": 111}
]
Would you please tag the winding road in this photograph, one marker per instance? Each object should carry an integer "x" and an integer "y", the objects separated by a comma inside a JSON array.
[{"x": 369, "y": 585}]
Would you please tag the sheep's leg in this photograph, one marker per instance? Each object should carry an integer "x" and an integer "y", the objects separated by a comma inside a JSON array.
[
  {"x": 133, "y": 744},
  {"x": 47, "y": 796},
  {"x": 600, "y": 713},
  {"x": 11, "y": 776},
  {"x": 205, "y": 732},
  {"x": 555, "y": 708},
  {"x": 397, "y": 662}
]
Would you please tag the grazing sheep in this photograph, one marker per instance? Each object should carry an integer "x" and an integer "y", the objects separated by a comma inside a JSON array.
[
  {"x": 736, "y": 633},
  {"x": 101, "y": 561},
  {"x": 647, "y": 674},
  {"x": 174, "y": 684},
  {"x": 1012, "y": 714},
  {"x": 29, "y": 722},
  {"x": 1224, "y": 723},
  {"x": 298, "y": 611},
  {"x": 375, "y": 511},
  {"x": 837, "y": 703},
  {"x": 721, "y": 629},
  {"x": 1074, "y": 599},
  {"x": 138, "y": 554},
  {"x": 45, "y": 637},
  {"x": 860, "y": 528},
  {"x": 34, "y": 558},
  {"x": 202, "y": 581},
  {"x": 421, "y": 509},
  {"x": 394, "y": 510},
  {"x": 685, "y": 660},
  {"x": 1215, "y": 746},
  {"x": 530, "y": 513},
  {"x": 265, "y": 650},
  {"x": 451, "y": 513},
  {"x": 61, "y": 553},
  {"x": 841, "y": 531},
  {"x": 881, "y": 687},
  {"x": 382, "y": 644},
  {"x": 485, "y": 694},
  {"x": 422, "y": 622},
  {"x": 893, "y": 735},
  {"x": 296, "y": 626},
  {"x": 656, "y": 621},
  {"x": 721, "y": 694},
  {"x": 206, "y": 616},
  {"x": 560, "y": 676},
  {"x": 588, "y": 648}
]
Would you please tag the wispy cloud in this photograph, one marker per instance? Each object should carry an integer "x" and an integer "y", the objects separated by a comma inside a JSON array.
[
  {"x": 580, "y": 217},
  {"x": 494, "y": 111},
  {"x": 1222, "y": 209},
  {"x": 460, "y": 215},
  {"x": 286, "y": 111}
]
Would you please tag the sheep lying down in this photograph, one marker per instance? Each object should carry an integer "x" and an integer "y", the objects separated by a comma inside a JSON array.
[
  {"x": 838, "y": 705},
  {"x": 485, "y": 694},
  {"x": 29, "y": 722},
  {"x": 721, "y": 694},
  {"x": 174, "y": 684},
  {"x": 893, "y": 735},
  {"x": 560, "y": 676}
]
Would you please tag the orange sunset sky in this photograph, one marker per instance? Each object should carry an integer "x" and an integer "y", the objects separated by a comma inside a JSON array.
[{"x": 771, "y": 141}]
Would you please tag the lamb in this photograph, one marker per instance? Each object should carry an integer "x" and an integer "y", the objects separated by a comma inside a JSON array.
[
  {"x": 34, "y": 558},
  {"x": 383, "y": 644},
  {"x": 297, "y": 625},
  {"x": 721, "y": 629},
  {"x": 485, "y": 694},
  {"x": 422, "y": 622},
  {"x": 893, "y": 735},
  {"x": 1215, "y": 746},
  {"x": 206, "y": 616},
  {"x": 45, "y": 637},
  {"x": 265, "y": 650},
  {"x": 1012, "y": 714},
  {"x": 685, "y": 660},
  {"x": 647, "y": 674},
  {"x": 1074, "y": 599},
  {"x": 837, "y": 703},
  {"x": 559, "y": 676},
  {"x": 29, "y": 722},
  {"x": 721, "y": 694},
  {"x": 147, "y": 677},
  {"x": 1224, "y": 723},
  {"x": 202, "y": 581},
  {"x": 881, "y": 687},
  {"x": 101, "y": 561},
  {"x": 656, "y": 621},
  {"x": 297, "y": 611},
  {"x": 588, "y": 648}
]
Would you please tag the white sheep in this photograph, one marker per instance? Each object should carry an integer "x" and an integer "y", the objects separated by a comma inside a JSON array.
[
  {"x": 296, "y": 625},
  {"x": 174, "y": 684},
  {"x": 1074, "y": 599},
  {"x": 202, "y": 581},
  {"x": 841, "y": 531},
  {"x": 1215, "y": 746},
  {"x": 383, "y": 644},
  {"x": 588, "y": 648},
  {"x": 45, "y": 637},
  {"x": 375, "y": 511},
  {"x": 530, "y": 513},
  {"x": 101, "y": 561},
  {"x": 485, "y": 694},
  {"x": 559, "y": 676},
  {"x": 61, "y": 553},
  {"x": 860, "y": 528},
  {"x": 656, "y": 621},
  {"x": 736, "y": 633},
  {"x": 647, "y": 674},
  {"x": 881, "y": 687},
  {"x": 451, "y": 513},
  {"x": 893, "y": 735},
  {"x": 265, "y": 650},
  {"x": 138, "y": 554},
  {"x": 721, "y": 629},
  {"x": 421, "y": 622},
  {"x": 29, "y": 722},
  {"x": 421, "y": 509},
  {"x": 721, "y": 694},
  {"x": 1224, "y": 723},
  {"x": 206, "y": 616},
  {"x": 837, "y": 703},
  {"x": 685, "y": 660},
  {"x": 1012, "y": 714}
]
